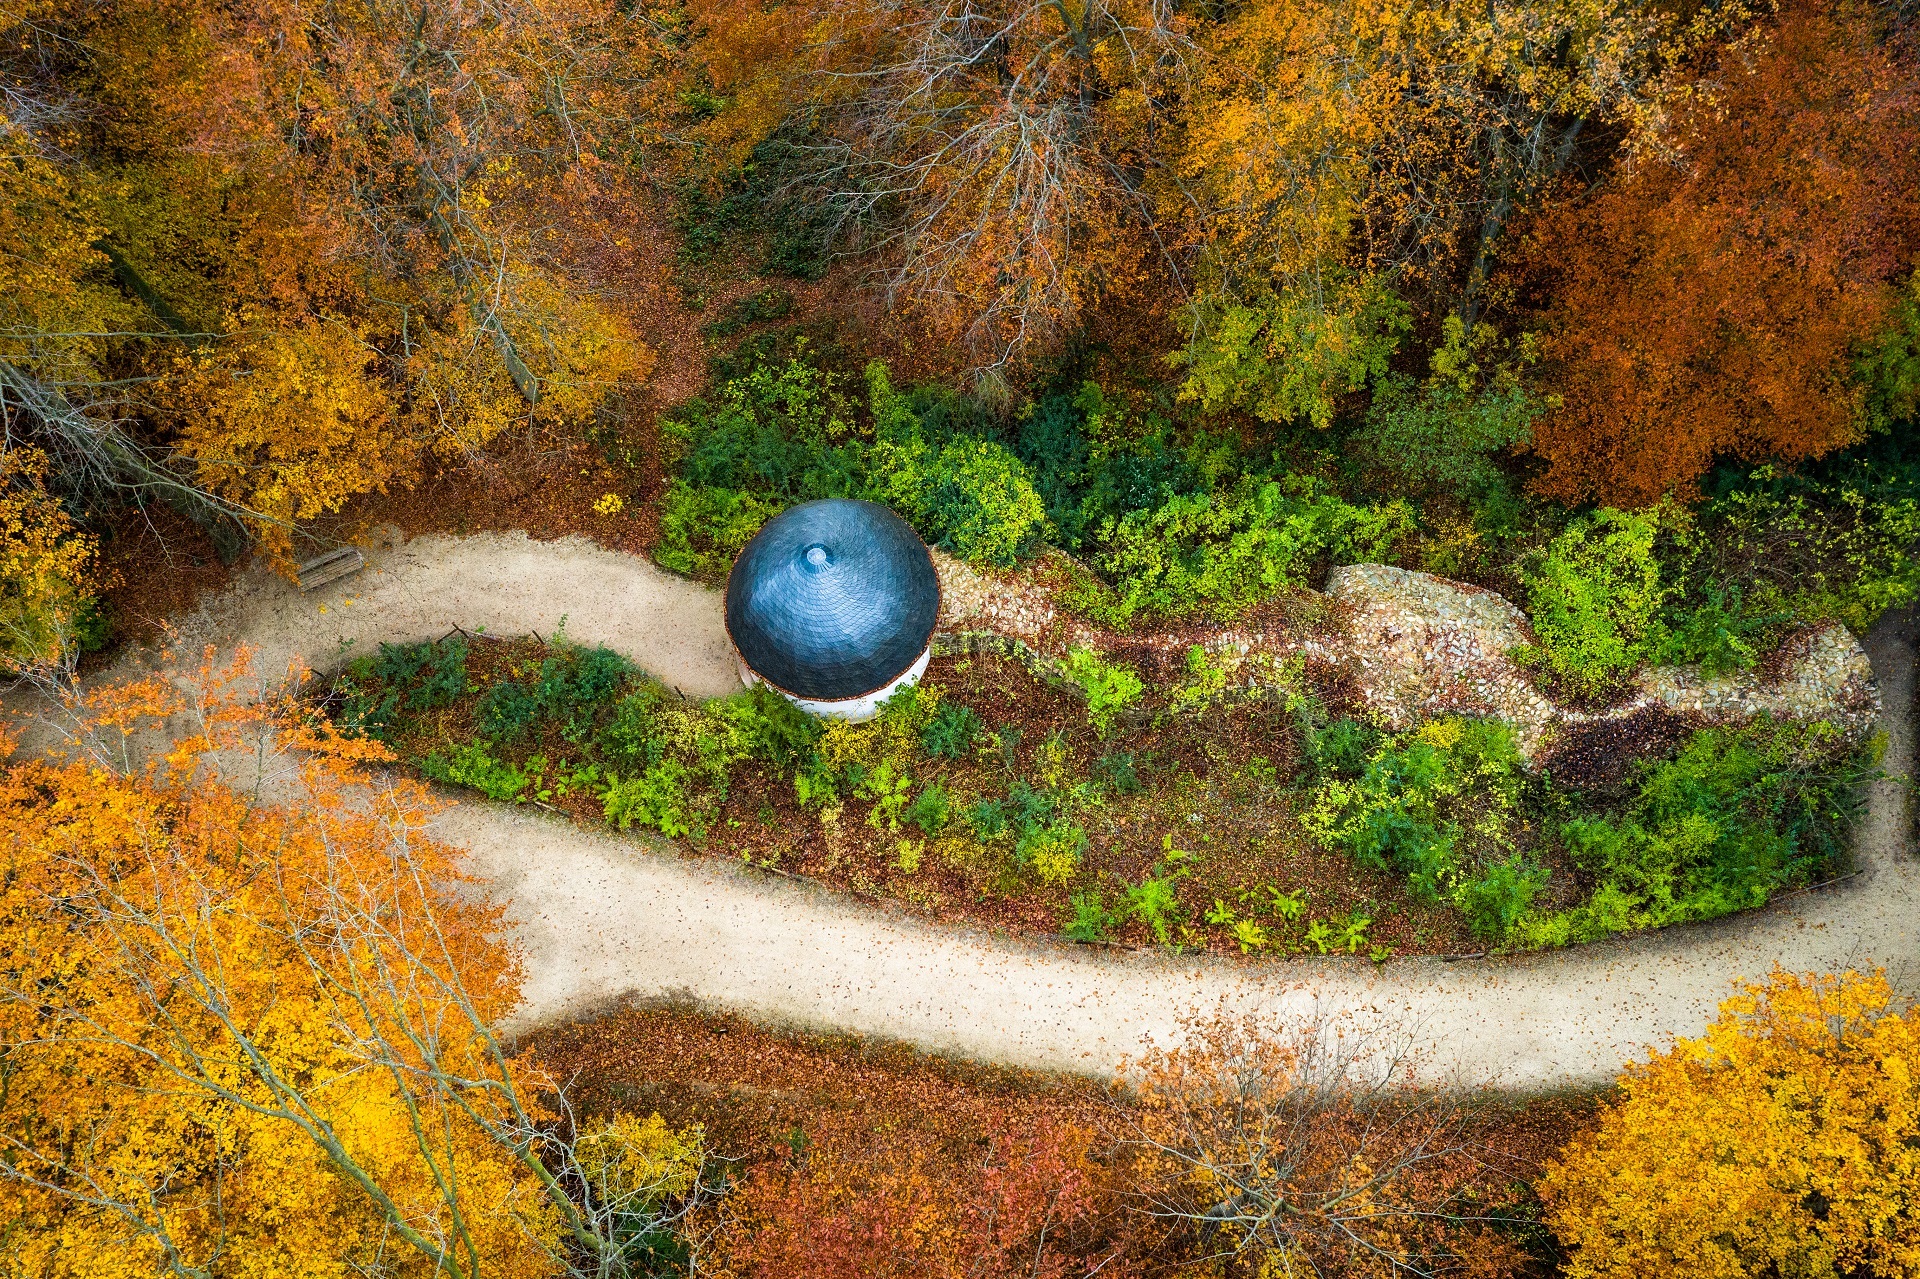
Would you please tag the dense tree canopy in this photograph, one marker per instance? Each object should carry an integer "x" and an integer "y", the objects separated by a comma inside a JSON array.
[
  {"x": 260, "y": 264},
  {"x": 239, "y": 1037},
  {"x": 279, "y": 255},
  {"x": 1708, "y": 299},
  {"x": 1781, "y": 1142}
]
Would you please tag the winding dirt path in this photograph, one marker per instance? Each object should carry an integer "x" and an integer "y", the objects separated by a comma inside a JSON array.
[{"x": 604, "y": 918}]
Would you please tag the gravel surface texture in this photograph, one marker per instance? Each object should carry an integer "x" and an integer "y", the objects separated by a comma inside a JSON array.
[{"x": 604, "y": 919}]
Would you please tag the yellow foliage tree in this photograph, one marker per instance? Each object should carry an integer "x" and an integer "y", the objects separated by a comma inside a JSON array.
[
  {"x": 574, "y": 351},
  {"x": 288, "y": 422},
  {"x": 242, "y": 1038},
  {"x": 46, "y": 565},
  {"x": 1786, "y": 1141}
]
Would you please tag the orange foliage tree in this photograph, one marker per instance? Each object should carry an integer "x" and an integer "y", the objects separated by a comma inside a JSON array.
[
  {"x": 989, "y": 154},
  {"x": 1310, "y": 1152},
  {"x": 866, "y": 1202},
  {"x": 320, "y": 249},
  {"x": 1784, "y": 1141},
  {"x": 242, "y": 1037},
  {"x": 1707, "y": 299}
]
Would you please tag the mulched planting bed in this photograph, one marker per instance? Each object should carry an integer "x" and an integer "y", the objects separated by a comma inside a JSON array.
[
  {"x": 1207, "y": 804},
  {"x": 1167, "y": 813},
  {"x": 1213, "y": 814}
]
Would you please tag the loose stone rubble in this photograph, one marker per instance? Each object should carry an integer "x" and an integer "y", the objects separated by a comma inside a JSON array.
[
  {"x": 1418, "y": 646},
  {"x": 1014, "y": 603},
  {"x": 1427, "y": 646}
]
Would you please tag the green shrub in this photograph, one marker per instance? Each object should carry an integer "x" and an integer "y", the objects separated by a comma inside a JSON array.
[
  {"x": 703, "y": 530},
  {"x": 1737, "y": 815},
  {"x": 1595, "y": 599},
  {"x": 770, "y": 437},
  {"x": 888, "y": 787},
  {"x": 424, "y": 676},
  {"x": 507, "y": 709},
  {"x": 631, "y": 740},
  {"x": 987, "y": 818},
  {"x": 1154, "y": 903},
  {"x": 444, "y": 678},
  {"x": 706, "y": 219},
  {"x": 980, "y": 503},
  {"x": 904, "y": 717},
  {"x": 1224, "y": 551},
  {"x": 1093, "y": 461},
  {"x": 951, "y": 731},
  {"x": 1108, "y": 688},
  {"x": 713, "y": 744},
  {"x": 1027, "y": 808},
  {"x": 1495, "y": 900},
  {"x": 1052, "y": 852},
  {"x": 969, "y": 495},
  {"x": 930, "y": 809},
  {"x": 366, "y": 705},
  {"x": 1342, "y": 748},
  {"x": 1431, "y": 804},
  {"x": 755, "y": 308},
  {"x": 658, "y": 798},
  {"x": 1206, "y": 681},
  {"x": 399, "y": 664},
  {"x": 1090, "y": 921},
  {"x": 473, "y": 765},
  {"x": 1118, "y": 772},
  {"x": 773, "y": 728},
  {"x": 1719, "y": 632},
  {"x": 1441, "y": 435},
  {"x": 576, "y": 686}
]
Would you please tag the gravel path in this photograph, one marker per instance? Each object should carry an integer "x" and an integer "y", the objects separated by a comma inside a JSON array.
[{"x": 605, "y": 918}]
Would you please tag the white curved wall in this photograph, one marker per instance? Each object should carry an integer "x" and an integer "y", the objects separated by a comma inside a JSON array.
[{"x": 857, "y": 710}]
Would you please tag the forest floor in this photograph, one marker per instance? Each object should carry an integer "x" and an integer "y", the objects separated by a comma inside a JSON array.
[{"x": 605, "y": 919}]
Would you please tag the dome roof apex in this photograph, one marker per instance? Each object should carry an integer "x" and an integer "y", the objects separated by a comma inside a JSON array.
[{"x": 833, "y": 599}]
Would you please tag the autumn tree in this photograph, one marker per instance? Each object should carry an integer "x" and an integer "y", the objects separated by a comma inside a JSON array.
[
  {"x": 47, "y": 569},
  {"x": 320, "y": 241},
  {"x": 1338, "y": 159},
  {"x": 1294, "y": 170},
  {"x": 1708, "y": 298},
  {"x": 979, "y": 152},
  {"x": 1783, "y": 1141},
  {"x": 862, "y": 1200},
  {"x": 242, "y": 1037},
  {"x": 1309, "y": 1150}
]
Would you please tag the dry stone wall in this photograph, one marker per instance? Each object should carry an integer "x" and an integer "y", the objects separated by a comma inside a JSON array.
[{"x": 1418, "y": 646}]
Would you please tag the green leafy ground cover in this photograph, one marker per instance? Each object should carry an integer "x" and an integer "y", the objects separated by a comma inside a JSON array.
[
  {"x": 1092, "y": 807},
  {"x": 1173, "y": 516}
]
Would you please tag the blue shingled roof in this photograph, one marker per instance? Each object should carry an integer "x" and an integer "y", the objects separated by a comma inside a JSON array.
[{"x": 833, "y": 599}]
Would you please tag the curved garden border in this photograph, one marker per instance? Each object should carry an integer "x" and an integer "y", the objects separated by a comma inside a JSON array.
[{"x": 604, "y": 918}]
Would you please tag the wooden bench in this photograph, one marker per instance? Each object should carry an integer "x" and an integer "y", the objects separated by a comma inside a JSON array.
[{"x": 331, "y": 567}]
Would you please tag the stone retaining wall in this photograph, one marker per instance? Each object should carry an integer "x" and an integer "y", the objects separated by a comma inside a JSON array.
[{"x": 1419, "y": 646}]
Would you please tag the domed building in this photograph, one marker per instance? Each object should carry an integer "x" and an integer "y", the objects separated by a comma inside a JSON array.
[{"x": 833, "y": 604}]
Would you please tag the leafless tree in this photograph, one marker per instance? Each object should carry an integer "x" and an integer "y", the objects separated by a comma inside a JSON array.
[
  {"x": 1306, "y": 1150},
  {"x": 971, "y": 147}
]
